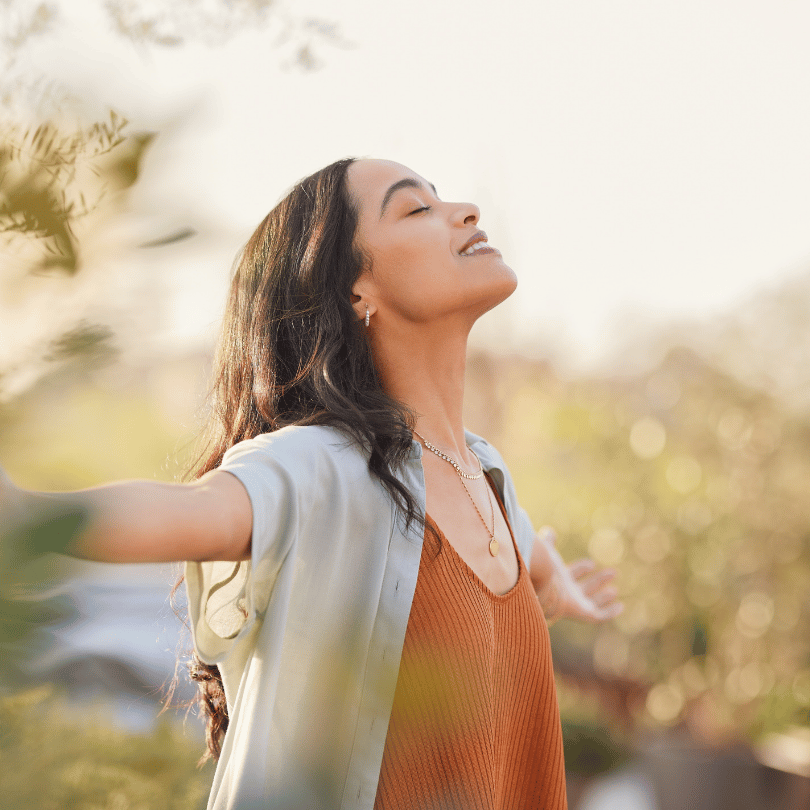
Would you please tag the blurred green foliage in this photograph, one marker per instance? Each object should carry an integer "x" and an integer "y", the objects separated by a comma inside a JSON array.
[
  {"x": 172, "y": 25},
  {"x": 26, "y": 552},
  {"x": 54, "y": 759},
  {"x": 85, "y": 424},
  {"x": 55, "y": 175},
  {"x": 592, "y": 749},
  {"x": 73, "y": 429}
]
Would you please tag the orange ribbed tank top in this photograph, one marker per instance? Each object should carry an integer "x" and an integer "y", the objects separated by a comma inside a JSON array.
[{"x": 475, "y": 723}]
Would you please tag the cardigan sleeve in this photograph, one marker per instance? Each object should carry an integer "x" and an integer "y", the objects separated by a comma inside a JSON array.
[{"x": 227, "y": 598}]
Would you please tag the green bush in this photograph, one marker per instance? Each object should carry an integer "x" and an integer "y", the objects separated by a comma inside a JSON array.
[{"x": 55, "y": 759}]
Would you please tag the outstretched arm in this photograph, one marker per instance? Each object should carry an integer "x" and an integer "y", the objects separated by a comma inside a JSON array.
[
  {"x": 142, "y": 521},
  {"x": 572, "y": 591}
]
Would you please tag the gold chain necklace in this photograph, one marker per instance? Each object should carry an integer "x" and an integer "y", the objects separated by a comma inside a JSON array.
[
  {"x": 452, "y": 461},
  {"x": 493, "y": 543}
]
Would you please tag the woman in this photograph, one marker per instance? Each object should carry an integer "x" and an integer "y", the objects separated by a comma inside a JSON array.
[{"x": 360, "y": 574}]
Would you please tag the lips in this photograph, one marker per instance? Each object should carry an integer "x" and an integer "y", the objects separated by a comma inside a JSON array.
[{"x": 478, "y": 236}]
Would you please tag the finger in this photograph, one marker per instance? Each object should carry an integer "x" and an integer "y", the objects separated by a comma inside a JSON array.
[
  {"x": 547, "y": 534},
  {"x": 579, "y": 568},
  {"x": 597, "y": 581},
  {"x": 605, "y": 597},
  {"x": 606, "y": 613},
  {"x": 611, "y": 611}
]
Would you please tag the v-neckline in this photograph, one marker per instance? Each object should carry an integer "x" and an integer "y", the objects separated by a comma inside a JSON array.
[{"x": 446, "y": 543}]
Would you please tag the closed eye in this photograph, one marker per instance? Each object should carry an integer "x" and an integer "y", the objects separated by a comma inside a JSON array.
[{"x": 419, "y": 210}]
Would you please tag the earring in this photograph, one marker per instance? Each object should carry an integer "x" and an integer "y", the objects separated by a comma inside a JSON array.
[{"x": 367, "y": 316}]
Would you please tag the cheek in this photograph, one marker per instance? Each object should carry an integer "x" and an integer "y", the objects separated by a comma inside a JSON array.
[{"x": 407, "y": 277}]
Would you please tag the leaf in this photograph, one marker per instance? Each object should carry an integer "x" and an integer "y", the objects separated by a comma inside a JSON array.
[
  {"x": 87, "y": 341},
  {"x": 126, "y": 169},
  {"x": 23, "y": 617},
  {"x": 51, "y": 531},
  {"x": 172, "y": 238}
]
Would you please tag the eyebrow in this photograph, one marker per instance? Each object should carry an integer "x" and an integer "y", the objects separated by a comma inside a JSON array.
[{"x": 406, "y": 182}]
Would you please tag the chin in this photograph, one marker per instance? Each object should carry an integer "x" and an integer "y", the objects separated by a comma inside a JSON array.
[
  {"x": 499, "y": 289},
  {"x": 508, "y": 281}
]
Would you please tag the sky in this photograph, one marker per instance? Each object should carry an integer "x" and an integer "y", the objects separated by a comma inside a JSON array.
[{"x": 635, "y": 161}]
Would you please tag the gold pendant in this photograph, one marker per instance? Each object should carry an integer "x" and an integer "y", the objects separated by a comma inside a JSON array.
[{"x": 493, "y": 547}]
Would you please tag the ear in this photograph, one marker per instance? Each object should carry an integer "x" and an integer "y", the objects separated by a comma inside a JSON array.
[{"x": 362, "y": 295}]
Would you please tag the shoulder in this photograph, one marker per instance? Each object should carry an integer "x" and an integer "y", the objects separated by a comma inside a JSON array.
[
  {"x": 492, "y": 461},
  {"x": 489, "y": 455},
  {"x": 297, "y": 472},
  {"x": 308, "y": 446}
]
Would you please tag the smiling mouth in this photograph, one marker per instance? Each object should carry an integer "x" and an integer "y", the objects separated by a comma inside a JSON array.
[
  {"x": 478, "y": 247},
  {"x": 477, "y": 244}
]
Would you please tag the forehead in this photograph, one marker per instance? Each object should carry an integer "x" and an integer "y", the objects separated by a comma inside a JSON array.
[{"x": 369, "y": 180}]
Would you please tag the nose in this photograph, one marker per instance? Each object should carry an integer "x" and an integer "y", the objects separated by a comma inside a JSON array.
[{"x": 466, "y": 214}]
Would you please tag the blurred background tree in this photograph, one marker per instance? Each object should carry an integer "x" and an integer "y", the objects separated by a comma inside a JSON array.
[{"x": 65, "y": 178}]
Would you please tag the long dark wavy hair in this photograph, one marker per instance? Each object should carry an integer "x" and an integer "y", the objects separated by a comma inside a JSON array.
[{"x": 292, "y": 351}]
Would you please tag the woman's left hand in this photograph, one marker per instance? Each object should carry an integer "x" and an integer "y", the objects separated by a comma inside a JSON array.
[{"x": 576, "y": 590}]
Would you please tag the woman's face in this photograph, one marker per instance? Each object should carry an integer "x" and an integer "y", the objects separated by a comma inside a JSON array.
[{"x": 423, "y": 263}]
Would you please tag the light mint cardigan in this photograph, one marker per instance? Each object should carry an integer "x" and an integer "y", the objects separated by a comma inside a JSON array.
[{"x": 308, "y": 635}]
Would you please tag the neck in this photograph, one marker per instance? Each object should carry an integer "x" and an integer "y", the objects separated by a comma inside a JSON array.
[{"x": 424, "y": 369}]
